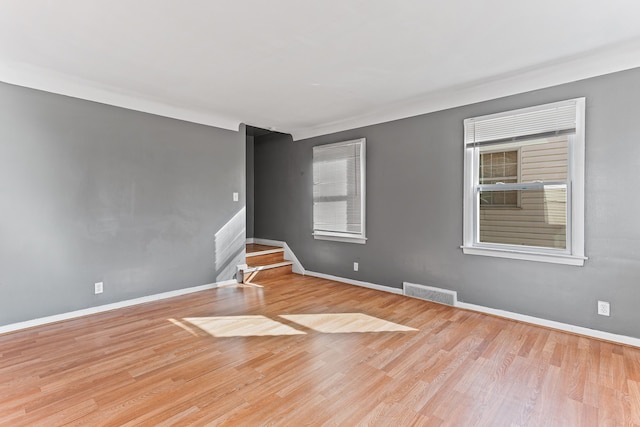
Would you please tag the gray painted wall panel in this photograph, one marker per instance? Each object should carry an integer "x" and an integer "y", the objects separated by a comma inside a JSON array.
[
  {"x": 414, "y": 210},
  {"x": 250, "y": 186},
  {"x": 90, "y": 193}
]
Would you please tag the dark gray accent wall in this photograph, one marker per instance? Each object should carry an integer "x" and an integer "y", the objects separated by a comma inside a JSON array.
[
  {"x": 90, "y": 192},
  {"x": 414, "y": 210},
  {"x": 250, "y": 186}
]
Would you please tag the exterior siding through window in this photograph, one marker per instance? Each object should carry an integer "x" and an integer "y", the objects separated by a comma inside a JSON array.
[{"x": 540, "y": 220}]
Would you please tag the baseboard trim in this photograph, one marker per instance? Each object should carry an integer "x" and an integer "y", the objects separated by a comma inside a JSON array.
[
  {"x": 297, "y": 265},
  {"x": 288, "y": 253},
  {"x": 565, "y": 327},
  {"x": 355, "y": 282},
  {"x": 108, "y": 307},
  {"x": 551, "y": 324}
]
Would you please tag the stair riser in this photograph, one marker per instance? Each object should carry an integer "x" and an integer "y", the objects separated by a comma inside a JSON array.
[
  {"x": 252, "y": 248},
  {"x": 266, "y": 274},
  {"x": 254, "y": 261}
]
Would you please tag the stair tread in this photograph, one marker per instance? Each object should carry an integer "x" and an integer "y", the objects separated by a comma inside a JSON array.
[
  {"x": 265, "y": 252},
  {"x": 268, "y": 266}
]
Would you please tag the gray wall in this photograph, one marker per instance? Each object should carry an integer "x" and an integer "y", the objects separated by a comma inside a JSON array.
[
  {"x": 414, "y": 210},
  {"x": 250, "y": 186},
  {"x": 90, "y": 193}
]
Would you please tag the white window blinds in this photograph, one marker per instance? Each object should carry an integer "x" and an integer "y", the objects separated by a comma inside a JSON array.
[
  {"x": 547, "y": 120},
  {"x": 338, "y": 189}
]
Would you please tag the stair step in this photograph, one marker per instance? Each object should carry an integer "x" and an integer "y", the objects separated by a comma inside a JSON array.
[
  {"x": 250, "y": 274},
  {"x": 268, "y": 266},
  {"x": 263, "y": 262},
  {"x": 274, "y": 250},
  {"x": 268, "y": 257},
  {"x": 255, "y": 247}
]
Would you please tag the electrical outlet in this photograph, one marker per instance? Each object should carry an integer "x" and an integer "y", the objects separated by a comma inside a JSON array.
[
  {"x": 355, "y": 266},
  {"x": 604, "y": 308},
  {"x": 99, "y": 287},
  {"x": 236, "y": 196}
]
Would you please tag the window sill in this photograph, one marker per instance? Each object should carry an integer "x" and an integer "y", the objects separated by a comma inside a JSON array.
[
  {"x": 525, "y": 255},
  {"x": 340, "y": 238}
]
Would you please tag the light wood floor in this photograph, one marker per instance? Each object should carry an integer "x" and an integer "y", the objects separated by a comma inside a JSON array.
[{"x": 307, "y": 351}]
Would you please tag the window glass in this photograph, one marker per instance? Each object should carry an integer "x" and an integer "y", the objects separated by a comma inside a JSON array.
[{"x": 524, "y": 184}]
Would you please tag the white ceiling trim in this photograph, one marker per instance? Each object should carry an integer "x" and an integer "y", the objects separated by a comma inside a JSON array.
[
  {"x": 597, "y": 63},
  {"x": 50, "y": 81}
]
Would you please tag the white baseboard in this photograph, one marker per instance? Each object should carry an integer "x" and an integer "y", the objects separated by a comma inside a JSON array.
[
  {"x": 250, "y": 240},
  {"x": 565, "y": 327},
  {"x": 297, "y": 265},
  {"x": 355, "y": 282},
  {"x": 108, "y": 307},
  {"x": 580, "y": 330},
  {"x": 288, "y": 253}
]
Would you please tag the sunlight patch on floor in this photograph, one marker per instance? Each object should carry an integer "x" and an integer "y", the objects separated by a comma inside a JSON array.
[
  {"x": 182, "y": 325},
  {"x": 241, "y": 326},
  {"x": 336, "y": 323}
]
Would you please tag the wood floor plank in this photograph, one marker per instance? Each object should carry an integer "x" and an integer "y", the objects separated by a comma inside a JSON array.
[{"x": 182, "y": 361}]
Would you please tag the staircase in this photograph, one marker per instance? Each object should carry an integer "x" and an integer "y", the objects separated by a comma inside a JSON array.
[{"x": 265, "y": 262}]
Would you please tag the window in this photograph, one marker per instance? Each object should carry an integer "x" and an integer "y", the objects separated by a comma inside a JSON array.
[
  {"x": 496, "y": 167},
  {"x": 339, "y": 191},
  {"x": 524, "y": 184}
]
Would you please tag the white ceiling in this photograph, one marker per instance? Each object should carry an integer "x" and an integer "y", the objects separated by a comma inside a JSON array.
[{"x": 309, "y": 67}]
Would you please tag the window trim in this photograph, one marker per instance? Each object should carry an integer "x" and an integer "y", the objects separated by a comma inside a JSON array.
[
  {"x": 359, "y": 238},
  {"x": 574, "y": 254}
]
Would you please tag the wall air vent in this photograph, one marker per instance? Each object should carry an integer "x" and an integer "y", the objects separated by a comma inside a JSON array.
[{"x": 429, "y": 293}]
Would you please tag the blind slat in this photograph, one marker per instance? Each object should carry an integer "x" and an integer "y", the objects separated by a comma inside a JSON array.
[
  {"x": 337, "y": 188},
  {"x": 541, "y": 120}
]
